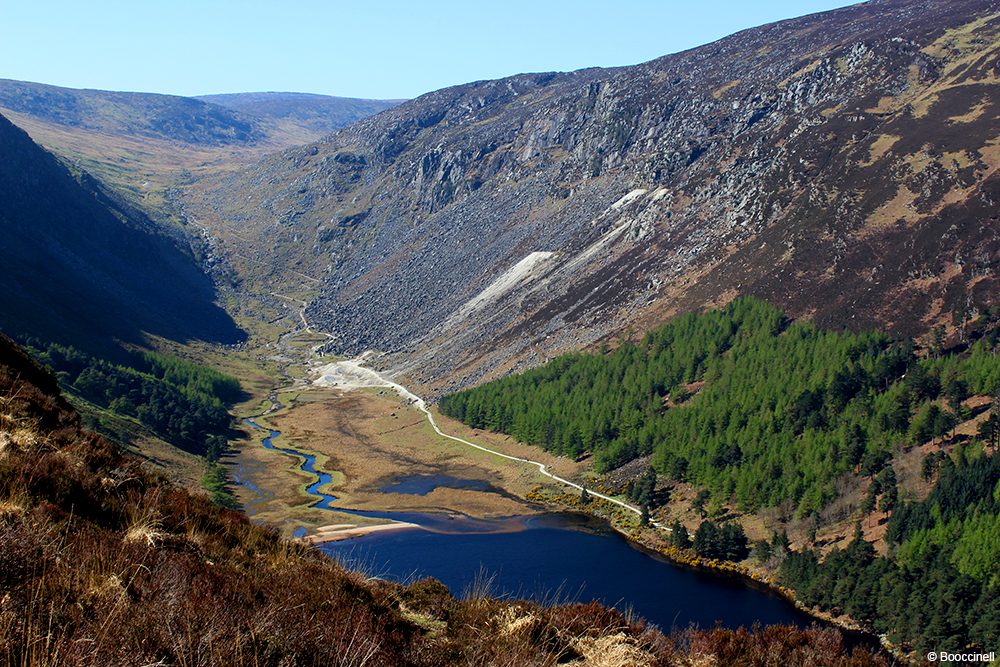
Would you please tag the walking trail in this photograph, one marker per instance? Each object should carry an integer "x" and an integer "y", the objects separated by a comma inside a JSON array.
[{"x": 351, "y": 374}]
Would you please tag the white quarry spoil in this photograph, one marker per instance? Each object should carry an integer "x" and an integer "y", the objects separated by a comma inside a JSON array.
[
  {"x": 629, "y": 198},
  {"x": 532, "y": 267},
  {"x": 523, "y": 271},
  {"x": 350, "y": 374}
]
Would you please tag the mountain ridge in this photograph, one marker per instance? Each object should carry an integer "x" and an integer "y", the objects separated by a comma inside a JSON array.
[
  {"x": 148, "y": 146},
  {"x": 760, "y": 164},
  {"x": 304, "y": 112},
  {"x": 152, "y": 115},
  {"x": 216, "y": 119}
]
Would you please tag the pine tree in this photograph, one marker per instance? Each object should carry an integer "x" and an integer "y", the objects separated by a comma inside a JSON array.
[
  {"x": 700, "y": 500},
  {"x": 868, "y": 504},
  {"x": 889, "y": 498},
  {"x": 679, "y": 536},
  {"x": 938, "y": 339},
  {"x": 705, "y": 540}
]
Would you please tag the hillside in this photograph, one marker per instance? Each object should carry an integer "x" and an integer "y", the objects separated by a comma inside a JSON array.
[
  {"x": 841, "y": 165},
  {"x": 102, "y": 563},
  {"x": 795, "y": 432},
  {"x": 306, "y": 115},
  {"x": 79, "y": 266},
  {"x": 146, "y": 145},
  {"x": 153, "y": 116},
  {"x": 238, "y": 119}
]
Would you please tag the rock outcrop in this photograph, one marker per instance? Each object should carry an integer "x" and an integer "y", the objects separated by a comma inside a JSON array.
[{"x": 842, "y": 165}]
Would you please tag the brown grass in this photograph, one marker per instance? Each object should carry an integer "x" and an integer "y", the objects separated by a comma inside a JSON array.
[
  {"x": 882, "y": 145},
  {"x": 726, "y": 87},
  {"x": 368, "y": 438},
  {"x": 974, "y": 114}
]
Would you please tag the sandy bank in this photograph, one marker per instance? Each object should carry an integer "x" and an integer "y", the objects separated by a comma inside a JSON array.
[{"x": 346, "y": 531}]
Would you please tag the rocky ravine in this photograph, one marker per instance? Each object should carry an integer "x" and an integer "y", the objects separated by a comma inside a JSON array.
[{"x": 842, "y": 165}]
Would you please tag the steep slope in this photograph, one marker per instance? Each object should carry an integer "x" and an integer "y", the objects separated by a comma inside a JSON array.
[
  {"x": 842, "y": 165},
  {"x": 78, "y": 266},
  {"x": 302, "y": 115},
  {"x": 102, "y": 563},
  {"x": 862, "y": 454}
]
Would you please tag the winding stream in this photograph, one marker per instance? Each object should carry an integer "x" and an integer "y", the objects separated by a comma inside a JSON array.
[
  {"x": 550, "y": 558},
  {"x": 308, "y": 465},
  {"x": 449, "y": 523}
]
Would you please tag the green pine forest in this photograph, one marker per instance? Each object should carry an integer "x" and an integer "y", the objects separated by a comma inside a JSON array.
[
  {"x": 942, "y": 587},
  {"x": 759, "y": 412},
  {"x": 785, "y": 408},
  {"x": 184, "y": 403}
]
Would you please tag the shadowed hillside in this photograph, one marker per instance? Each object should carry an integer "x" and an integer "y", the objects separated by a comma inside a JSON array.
[{"x": 79, "y": 266}]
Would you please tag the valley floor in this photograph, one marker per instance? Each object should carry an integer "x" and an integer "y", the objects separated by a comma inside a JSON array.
[{"x": 369, "y": 439}]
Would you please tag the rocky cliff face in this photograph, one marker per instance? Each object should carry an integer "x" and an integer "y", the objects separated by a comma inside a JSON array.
[{"x": 842, "y": 165}]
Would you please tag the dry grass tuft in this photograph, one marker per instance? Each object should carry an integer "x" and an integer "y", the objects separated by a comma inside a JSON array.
[
  {"x": 144, "y": 532},
  {"x": 10, "y": 507},
  {"x": 617, "y": 650},
  {"x": 145, "y": 524},
  {"x": 511, "y": 623},
  {"x": 17, "y": 434}
]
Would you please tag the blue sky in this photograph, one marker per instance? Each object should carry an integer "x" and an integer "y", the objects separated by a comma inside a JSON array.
[{"x": 385, "y": 49}]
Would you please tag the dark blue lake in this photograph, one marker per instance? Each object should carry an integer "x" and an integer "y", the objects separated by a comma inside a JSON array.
[
  {"x": 421, "y": 485},
  {"x": 548, "y": 558},
  {"x": 569, "y": 558}
]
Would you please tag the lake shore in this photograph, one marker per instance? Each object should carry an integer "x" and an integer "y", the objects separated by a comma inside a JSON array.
[
  {"x": 347, "y": 531},
  {"x": 377, "y": 439},
  {"x": 651, "y": 541},
  {"x": 366, "y": 440}
]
